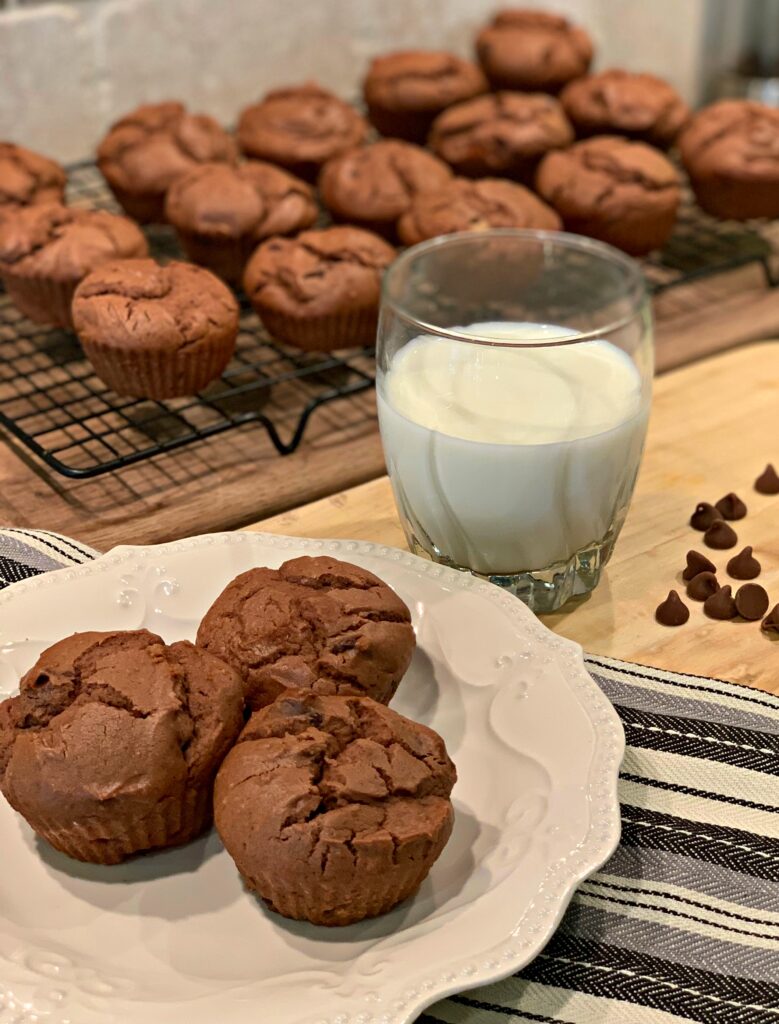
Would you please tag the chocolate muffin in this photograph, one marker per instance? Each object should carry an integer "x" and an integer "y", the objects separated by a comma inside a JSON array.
[
  {"x": 731, "y": 153},
  {"x": 300, "y": 127},
  {"x": 155, "y": 331},
  {"x": 622, "y": 192},
  {"x": 503, "y": 133},
  {"x": 464, "y": 205},
  {"x": 147, "y": 149},
  {"x": 532, "y": 50},
  {"x": 334, "y": 809},
  {"x": 113, "y": 742},
  {"x": 27, "y": 178},
  {"x": 405, "y": 91},
  {"x": 47, "y": 249},
  {"x": 617, "y": 102},
  {"x": 313, "y": 624},
  {"x": 319, "y": 291},
  {"x": 374, "y": 185},
  {"x": 221, "y": 213}
]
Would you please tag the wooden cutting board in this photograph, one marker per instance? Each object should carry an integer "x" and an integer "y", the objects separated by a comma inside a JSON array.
[{"x": 714, "y": 426}]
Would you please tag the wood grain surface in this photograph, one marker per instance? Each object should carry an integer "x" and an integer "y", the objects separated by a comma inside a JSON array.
[
  {"x": 714, "y": 426},
  {"x": 234, "y": 479}
]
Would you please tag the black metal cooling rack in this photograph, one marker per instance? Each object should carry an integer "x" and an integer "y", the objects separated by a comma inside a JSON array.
[{"x": 51, "y": 400}]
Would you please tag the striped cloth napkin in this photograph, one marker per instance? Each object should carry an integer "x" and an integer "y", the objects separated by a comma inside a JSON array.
[{"x": 682, "y": 924}]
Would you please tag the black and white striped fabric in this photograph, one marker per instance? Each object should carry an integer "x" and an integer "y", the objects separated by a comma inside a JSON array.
[
  {"x": 682, "y": 924},
  {"x": 25, "y": 553}
]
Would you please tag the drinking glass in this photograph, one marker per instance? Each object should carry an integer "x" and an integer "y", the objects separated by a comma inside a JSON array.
[{"x": 514, "y": 382}]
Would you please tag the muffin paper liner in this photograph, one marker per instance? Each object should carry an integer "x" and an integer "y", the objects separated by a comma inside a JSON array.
[
  {"x": 225, "y": 257},
  {"x": 348, "y": 329},
  {"x": 40, "y": 299},
  {"x": 146, "y": 209},
  {"x": 107, "y": 840},
  {"x": 158, "y": 374}
]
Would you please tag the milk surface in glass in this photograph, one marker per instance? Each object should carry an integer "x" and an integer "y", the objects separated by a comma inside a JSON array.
[{"x": 512, "y": 459}]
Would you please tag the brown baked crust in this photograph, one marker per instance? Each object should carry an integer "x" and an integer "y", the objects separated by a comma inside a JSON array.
[
  {"x": 65, "y": 243},
  {"x": 334, "y": 809},
  {"x": 254, "y": 200},
  {"x": 111, "y": 737},
  {"x": 622, "y": 192},
  {"x": 27, "y": 178},
  {"x": 155, "y": 331},
  {"x": 374, "y": 185},
  {"x": 528, "y": 49},
  {"x": 731, "y": 152},
  {"x": 505, "y": 133},
  {"x": 617, "y": 102},
  {"x": 465, "y": 205},
  {"x": 405, "y": 90},
  {"x": 147, "y": 149},
  {"x": 300, "y": 128},
  {"x": 313, "y": 624},
  {"x": 320, "y": 290}
]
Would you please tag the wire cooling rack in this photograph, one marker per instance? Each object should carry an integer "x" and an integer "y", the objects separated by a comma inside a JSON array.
[{"x": 51, "y": 400}]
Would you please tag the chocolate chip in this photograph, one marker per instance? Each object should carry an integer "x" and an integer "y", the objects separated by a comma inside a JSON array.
[
  {"x": 744, "y": 566},
  {"x": 673, "y": 611},
  {"x": 719, "y": 535},
  {"x": 771, "y": 621},
  {"x": 751, "y": 601},
  {"x": 731, "y": 507},
  {"x": 703, "y": 516},
  {"x": 768, "y": 481},
  {"x": 702, "y": 586},
  {"x": 696, "y": 562},
  {"x": 720, "y": 605}
]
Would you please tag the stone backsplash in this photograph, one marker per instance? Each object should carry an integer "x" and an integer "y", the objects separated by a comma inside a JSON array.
[{"x": 68, "y": 69}]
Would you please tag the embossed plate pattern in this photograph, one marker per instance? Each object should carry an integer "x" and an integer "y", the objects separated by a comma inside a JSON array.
[{"x": 172, "y": 937}]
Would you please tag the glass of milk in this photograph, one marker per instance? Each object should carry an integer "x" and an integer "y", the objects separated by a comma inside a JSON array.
[{"x": 514, "y": 383}]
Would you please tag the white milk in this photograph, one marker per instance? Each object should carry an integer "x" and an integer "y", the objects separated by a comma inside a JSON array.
[{"x": 509, "y": 459}]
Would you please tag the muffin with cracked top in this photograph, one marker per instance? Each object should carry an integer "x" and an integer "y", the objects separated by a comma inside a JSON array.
[
  {"x": 147, "y": 149},
  {"x": 532, "y": 50},
  {"x": 505, "y": 133},
  {"x": 27, "y": 178},
  {"x": 46, "y": 249},
  {"x": 621, "y": 192},
  {"x": 731, "y": 152},
  {"x": 315, "y": 624},
  {"x": 155, "y": 331},
  {"x": 404, "y": 91},
  {"x": 300, "y": 127},
  {"x": 374, "y": 185},
  {"x": 319, "y": 291},
  {"x": 221, "y": 213},
  {"x": 334, "y": 809},
  {"x": 113, "y": 742},
  {"x": 465, "y": 205},
  {"x": 617, "y": 102}
]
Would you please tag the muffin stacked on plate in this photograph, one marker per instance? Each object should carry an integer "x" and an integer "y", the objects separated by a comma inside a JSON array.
[
  {"x": 524, "y": 136},
  {"x": 333, "y": 807}
]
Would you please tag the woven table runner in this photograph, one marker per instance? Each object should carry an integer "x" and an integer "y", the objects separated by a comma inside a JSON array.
[{"x": 683, "y": 922}]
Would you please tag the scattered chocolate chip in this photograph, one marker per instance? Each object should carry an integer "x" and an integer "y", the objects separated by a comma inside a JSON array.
[
  {"x": 702, "y": 586},
  {"x": 751, "y": 601},
  {"x": 771, "y": 621},
  {"x": 731, "y": 507},
  {"x": 719, "y": 535},
  {"x": 703, "y": 516},
  {"x": 673, "y": 611},
  {"x": 768, "y": 481},
  {"x": 696, "y": 562},
  {"x": 744, "y": 566},
  {"x": 720, "y": 605}
]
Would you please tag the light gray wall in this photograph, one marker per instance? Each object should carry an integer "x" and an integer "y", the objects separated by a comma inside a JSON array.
[{"x": 68, "y": 69}]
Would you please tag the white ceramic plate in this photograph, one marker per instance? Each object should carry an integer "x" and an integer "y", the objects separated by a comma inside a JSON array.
[{"x": 172, "y": 937}]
